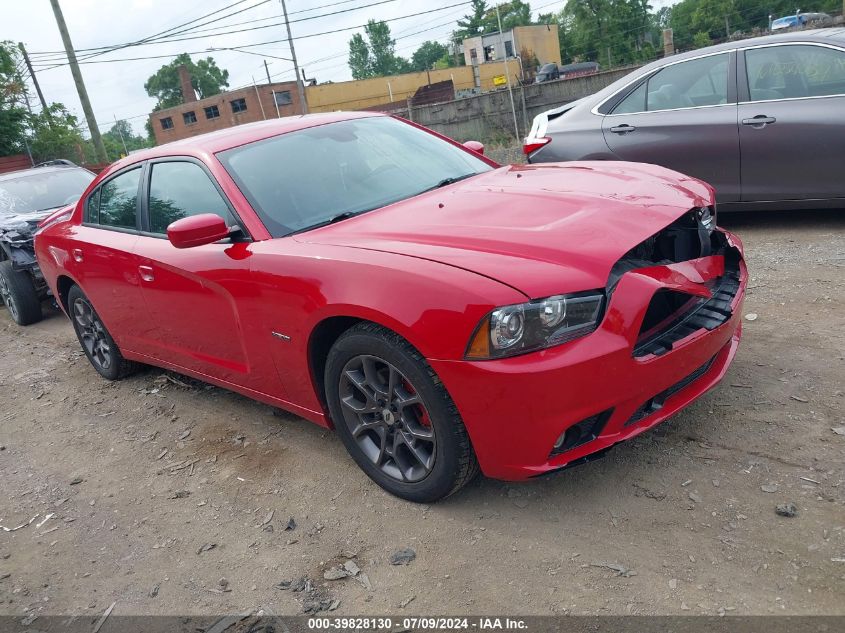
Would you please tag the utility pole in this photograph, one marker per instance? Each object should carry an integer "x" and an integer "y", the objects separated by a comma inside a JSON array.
[
  {"x": 99, "y": 148},
  {"x": 34, "y": 80},
  {"x": 300, "y": 88},
  {"x": 120, "y": 131},
  {"x": 727, "y": 28},
  {"x": 507, "y": 73},
  {"x": 267, "y": 70}
]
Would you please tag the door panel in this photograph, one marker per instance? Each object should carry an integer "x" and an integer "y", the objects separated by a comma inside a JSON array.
[
  {"x": 199, "y": 300},
  {"x": 791, "y": 132},
  {"x": 191, "y": 297},
  {"x": 683, "y": 117},
  {"x": 103, "y": 256}
]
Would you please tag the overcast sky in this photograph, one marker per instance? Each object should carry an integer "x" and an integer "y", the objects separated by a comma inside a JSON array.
[{"x": 117, "y": 89}]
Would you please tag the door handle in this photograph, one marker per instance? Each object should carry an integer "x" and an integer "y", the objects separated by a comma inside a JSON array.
[
  {"x": 146, "y": 273},
  {"x": 77, "y": 254},
  {"x": 760, "y": 121},
  {"x": 622, "y": 129}
]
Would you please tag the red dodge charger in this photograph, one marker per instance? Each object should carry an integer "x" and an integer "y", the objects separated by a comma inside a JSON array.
[{"x": 442, "y": 313}]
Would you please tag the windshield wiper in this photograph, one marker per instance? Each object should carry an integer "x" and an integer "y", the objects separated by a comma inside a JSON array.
[
  {"x": 451, "y": 180},
  {"x": 332, "y": 220}
]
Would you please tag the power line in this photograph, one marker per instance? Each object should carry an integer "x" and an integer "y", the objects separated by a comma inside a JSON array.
[
  {"x": 300, "y": 37},
  {"x": 160, "y": 33}
]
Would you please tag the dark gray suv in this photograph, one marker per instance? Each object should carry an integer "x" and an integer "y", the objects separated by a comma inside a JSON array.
[
  {"x": 27, "y": 197},
  {"x": 762, "y": 120}
]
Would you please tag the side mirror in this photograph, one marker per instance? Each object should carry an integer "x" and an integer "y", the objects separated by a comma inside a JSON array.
[
  {"x": 197, "y": 230},
  {"x": 475, "y": 146}
]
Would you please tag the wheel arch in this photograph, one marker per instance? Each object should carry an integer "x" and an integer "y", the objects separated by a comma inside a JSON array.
[
  {"x": 63, "y": 285},
  {"x": 324, "y": 335}
]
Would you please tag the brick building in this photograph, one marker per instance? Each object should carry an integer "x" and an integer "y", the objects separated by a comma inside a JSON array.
[{"x": 197, "y": 116}]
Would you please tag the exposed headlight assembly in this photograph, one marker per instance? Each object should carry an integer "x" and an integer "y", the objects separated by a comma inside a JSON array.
[
  {"x": 526, "y": 327},
  {"x": 707, "y": 217}
]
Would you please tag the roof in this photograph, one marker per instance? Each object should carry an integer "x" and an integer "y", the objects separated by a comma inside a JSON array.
[
  {"x": 219, "y": 140},
  {"x": 45, "y": 169}
]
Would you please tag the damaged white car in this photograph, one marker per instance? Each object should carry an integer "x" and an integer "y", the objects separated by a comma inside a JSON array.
[{"x": 27, "y": 197}]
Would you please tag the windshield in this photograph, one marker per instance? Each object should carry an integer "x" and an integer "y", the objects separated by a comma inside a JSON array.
[
  {"x": 309, "y": 177},
  {"x": 35, "y": 191}
]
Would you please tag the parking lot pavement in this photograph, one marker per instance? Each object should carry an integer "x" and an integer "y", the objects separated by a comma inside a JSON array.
[{"x": 171, "y": 497}]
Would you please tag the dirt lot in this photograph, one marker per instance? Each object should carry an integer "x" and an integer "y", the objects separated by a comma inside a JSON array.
[{"x": 151, "y": 516}]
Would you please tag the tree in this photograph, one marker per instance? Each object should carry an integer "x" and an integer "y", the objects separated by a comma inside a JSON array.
[
  {"x": 206, "y": 78},
  {"x": 472, "y": 25},
  {"x": 359, "y": 57},
  {"x": 428, "y": 54},
  {"x": 375, "y": 56},
  {"x": 513, "y": 13},
  {"x": 12, "y": 92},
  {"x": 121, "y": 133},
  {"x": 56, "y": 134}
]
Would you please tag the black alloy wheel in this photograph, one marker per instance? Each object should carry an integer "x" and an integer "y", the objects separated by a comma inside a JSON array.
[
  {"x": 97, "y": 343},
  {"x": 395, "y": 416},
  {"x": 387, "y": 418}
]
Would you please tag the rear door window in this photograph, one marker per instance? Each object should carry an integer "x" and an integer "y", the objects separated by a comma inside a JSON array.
[
  {"x": 794, "y": 72},
  {"x": 118, "y": 201},
  {"x": 690, "y": 84}
]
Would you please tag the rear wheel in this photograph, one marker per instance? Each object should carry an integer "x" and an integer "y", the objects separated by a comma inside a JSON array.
[
  {"x": 18, "y": 293},
  {"x": 97, "y": 343},
  {"x": 395, "y": 417}
]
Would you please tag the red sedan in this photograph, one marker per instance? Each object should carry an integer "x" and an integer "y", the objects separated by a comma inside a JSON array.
[{"x": 440, "y": 312}]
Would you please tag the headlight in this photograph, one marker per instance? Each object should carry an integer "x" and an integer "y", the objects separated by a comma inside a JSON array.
[
  {"x": 526, "y": 327},
  {"x": 707, "y": 217}
]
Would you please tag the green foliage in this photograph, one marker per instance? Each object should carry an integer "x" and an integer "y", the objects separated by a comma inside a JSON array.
[
  {"x": 689, "y": 18},
  {"x": 120, "y": 133},
  {"x": 514, "y": 13},
  {"x": 611, "y": 32},
  {"x": 206, "y": 78},
  {"x": 56, "y": 134},
  {"x": 428, "y": 54},
  {"x": 472, "y": 24},
  {"x": 701, "y": 40},
  {"x": 375, "y": 56},
  {"x": 12, "y": 93}
]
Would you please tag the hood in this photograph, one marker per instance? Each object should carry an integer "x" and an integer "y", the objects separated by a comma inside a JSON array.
[{"x": 541, "y": 229}]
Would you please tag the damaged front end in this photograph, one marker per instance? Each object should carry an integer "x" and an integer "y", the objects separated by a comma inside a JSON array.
[
  {"x": 701, "y": 272},
  {"x": 17, "y": 234}
]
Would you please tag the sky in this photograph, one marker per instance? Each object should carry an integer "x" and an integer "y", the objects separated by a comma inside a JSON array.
[{"x": 116, "y": 89}]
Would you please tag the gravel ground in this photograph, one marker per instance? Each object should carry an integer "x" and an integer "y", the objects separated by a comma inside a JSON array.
[{"x": 171, "y": 497}]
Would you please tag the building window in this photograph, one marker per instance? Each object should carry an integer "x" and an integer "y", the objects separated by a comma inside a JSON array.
[
  {"x": 167, "y": 123},
  {"x": 212, "y": 112},
  {"x": 489, "y": 53},
  {"x": 238, "y": 105},
  {"x": 283, "y": 98},
  {"x": 508, "y": 48},
  {"x": 189, "y": 117}
]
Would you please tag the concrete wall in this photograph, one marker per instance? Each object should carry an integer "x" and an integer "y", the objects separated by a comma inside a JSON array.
[
  {"x": 366, "y": 93},
  {"x": 488, "y": 117}
]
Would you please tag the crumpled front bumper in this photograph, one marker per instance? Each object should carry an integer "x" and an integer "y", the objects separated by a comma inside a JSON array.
[{"x": 515, "y": 409}]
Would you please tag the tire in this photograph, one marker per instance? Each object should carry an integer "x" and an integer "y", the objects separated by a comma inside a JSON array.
[
  {"x": 18, "y": 293},
  {"x": 429, "y": 455},
  {"x": 96, "y": 342}
]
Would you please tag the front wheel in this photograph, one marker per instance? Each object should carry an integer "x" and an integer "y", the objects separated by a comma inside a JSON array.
[
  {"x": 395, "y": 417},
  {"x": 97, "y": 343},
  {"x": 19, "y": 294}
]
